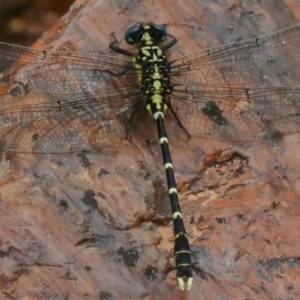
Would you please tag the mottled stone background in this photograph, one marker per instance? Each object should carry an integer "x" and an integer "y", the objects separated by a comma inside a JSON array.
[{"x": 97, "y": 225}]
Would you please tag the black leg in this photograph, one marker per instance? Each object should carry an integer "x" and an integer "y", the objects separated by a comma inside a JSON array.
[
  {"x": 114, "y": 47},
  {"x": 121, "y": 72},
  {"x": 168, "y": 102},
  {"x": 171, "y": 43},
  {"x": 125, "y": 68}
]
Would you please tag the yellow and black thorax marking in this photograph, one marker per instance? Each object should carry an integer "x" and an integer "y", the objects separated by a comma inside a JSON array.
[{"x": 152, "y": 70}]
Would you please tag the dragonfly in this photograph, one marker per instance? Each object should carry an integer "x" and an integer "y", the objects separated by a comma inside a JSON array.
[{"x": 66, "y": 102}]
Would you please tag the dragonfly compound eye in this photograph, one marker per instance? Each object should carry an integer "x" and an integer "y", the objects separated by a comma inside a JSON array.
[
  {"x": 133, "y": 34},
  {"x": 158, "y": 33}
]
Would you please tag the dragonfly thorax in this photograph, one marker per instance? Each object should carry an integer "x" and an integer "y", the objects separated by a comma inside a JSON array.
[{"x": 151, "y": 64}]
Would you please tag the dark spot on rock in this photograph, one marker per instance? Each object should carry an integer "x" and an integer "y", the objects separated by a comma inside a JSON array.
[
  {"x": 272, "y": 264},
  {"x": 67, "y": 274},
  {"x": 100, "y": 194},
  {"x": 295, "y": 261},
  {"x": 3, "y": 254},
  {"x": 202, "y": 274},
  {"x": 63, "y": 204},
  {"x": 89, "y": 200},
  {"x": 8, "y": 155},
  {"x": 88, "y": 268},
  {"x": 103, "y": 172},
  {"x": 130, "y": 256},
  {"x": 150, "y": 142},
  {"x": 221, "y": 220},
  {"x": 145, "y": 172},
  {"x": 213, "y": 112},
  {"x": 105, "y": 296},
  {"x": 18, "y": 89},
  {"x": 275, "y": 137},
  {"x": 271, "y": 134},
  {"x": 84, "y": 159},
  {"x": 35, "y": 137},
  {"x": 240, "y": 216},
  {"x": 239, "y": 171},
  {"x": 275, "y": 205},
  {"x": 200, "y": 220},
  {"x": 150, "y": 273}
]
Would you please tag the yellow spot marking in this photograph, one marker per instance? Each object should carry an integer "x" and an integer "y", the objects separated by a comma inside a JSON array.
[
  {"x": 137, "y": 66},
  {"x": 177, "y": 214},
  {"x": 138, "y": 71},
  {"x": 157, "y": 85},
  {"x": 146, "y": 36},
  {"x": 168, "y": 165},
  {"x": 163, "y": 140},
  {"x": 171, "y": 191},
  {"x": 157, "y": 100},
  {"x": 159, "y": 52},
  {"x": 145, "y": 52},
  {"x": 156, "y": 74},
  {"x": 165, "y": 107}
]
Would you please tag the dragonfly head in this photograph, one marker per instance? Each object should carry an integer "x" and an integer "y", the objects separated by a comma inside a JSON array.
[{"x": 145, "y": 33}]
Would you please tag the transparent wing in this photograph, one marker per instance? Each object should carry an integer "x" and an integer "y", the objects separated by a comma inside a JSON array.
[
  {"x": 246, "y": 63},
  {"x": 241, "y": 91},
  {"x": 237, "y": 114},
  {"x": 56, "y": 102}
]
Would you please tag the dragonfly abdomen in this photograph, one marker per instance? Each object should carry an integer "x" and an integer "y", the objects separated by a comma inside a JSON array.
[{"x": 152, "y": 70}]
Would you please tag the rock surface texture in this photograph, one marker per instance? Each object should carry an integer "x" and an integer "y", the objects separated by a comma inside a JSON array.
[{"x": 97, "y": 225}]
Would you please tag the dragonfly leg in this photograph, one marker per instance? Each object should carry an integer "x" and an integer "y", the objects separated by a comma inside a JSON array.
[
  {"x": 171, "y": 43},
  {"x": 114, "y": 47},
  {"x": 168, "y": 102}
]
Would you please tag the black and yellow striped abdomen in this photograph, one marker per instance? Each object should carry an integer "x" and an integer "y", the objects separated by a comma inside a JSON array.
[{"x": 152, "y": 70}]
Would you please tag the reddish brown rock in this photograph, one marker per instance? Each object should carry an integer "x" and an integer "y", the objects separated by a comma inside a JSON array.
[{"x": 97, "y": 226}]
